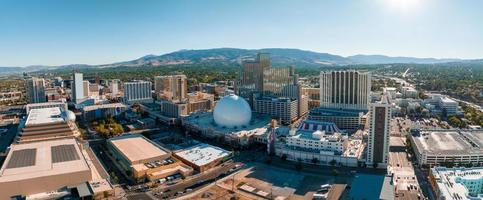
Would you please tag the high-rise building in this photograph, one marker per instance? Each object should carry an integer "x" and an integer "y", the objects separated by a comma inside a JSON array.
[
  {"x": 137, "y": 92},
  {"x": 114, "y": 87},
  {"x": 77, "y": 88},
  {"x": 345, "y": 89},
  {"x": 173, "y": 87},
  {"x": 36, "y": 90},
  {"x": 379, "y": 127},
  {"x": 261, "y": 85},
  {"x": 251, "y": 77},
  {"x": 280, "y": 82},
  {"x": 85, "y": 85}
]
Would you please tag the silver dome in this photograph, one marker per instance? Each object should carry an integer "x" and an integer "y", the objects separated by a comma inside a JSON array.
[
  {"x": 70, "y": 115},
  {"x": 232, "y": 111}
]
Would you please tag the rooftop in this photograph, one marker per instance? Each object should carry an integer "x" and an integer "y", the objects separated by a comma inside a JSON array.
[
  {"x": 39, "y": 159},
  {"x": 44, "y": 116},
  {"x": 448, "y": 100},
  {"x": 338, "y": 112},
  {"x": 137, "y": 148},
  {"x": 101, "y": 106},
  {"x": 452, "y": 182},
  {"x": 202, "y": 154},
  {"x": 452, "y": 142},
  {"x": 258, "y": 123}
]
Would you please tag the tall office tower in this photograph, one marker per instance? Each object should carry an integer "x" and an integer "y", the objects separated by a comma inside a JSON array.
[
  {"x": 36, "y": 90},
  {"x": 173, "y": 87},
  {"x": 114, "y": 87},
  {"x": 137, "y": 92},
  {"x": 280, "y": 82},
  {"x": 251, "y": 77},
  {"x": 77, "y": 88},
  {"x": 345, "y": 89},
  {"x": 379, "y": 127},
  {"x": 85, "y": 85}
]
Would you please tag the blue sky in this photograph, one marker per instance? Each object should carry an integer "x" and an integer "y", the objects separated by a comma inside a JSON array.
[{"x": 55, "y": 32}]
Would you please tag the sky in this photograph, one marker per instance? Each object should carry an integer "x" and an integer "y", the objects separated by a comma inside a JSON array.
[{"x": 58, "y": 32}]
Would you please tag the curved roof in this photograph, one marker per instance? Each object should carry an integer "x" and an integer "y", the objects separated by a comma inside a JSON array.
[{"x": 232, "y": 111}]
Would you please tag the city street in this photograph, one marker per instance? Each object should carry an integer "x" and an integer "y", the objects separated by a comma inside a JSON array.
[{"x": 181, "y": 186}]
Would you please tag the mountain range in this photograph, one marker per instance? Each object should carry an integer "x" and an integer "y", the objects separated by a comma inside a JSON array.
[{"x": 279, "y": 56}]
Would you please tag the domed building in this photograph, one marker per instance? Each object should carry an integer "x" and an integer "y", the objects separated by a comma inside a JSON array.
[
  {"x": 70, "y": 116},
  {"x": 232, "y": 111},
  {"x": 232, "y": 119}
]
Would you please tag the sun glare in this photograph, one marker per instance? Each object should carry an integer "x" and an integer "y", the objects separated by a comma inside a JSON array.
[{"x": 404, "y": 6}]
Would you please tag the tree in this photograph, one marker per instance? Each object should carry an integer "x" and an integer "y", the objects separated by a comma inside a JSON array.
[{"x": 455, "y": 121}]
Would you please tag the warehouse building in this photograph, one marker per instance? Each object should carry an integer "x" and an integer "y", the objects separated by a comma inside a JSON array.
[
  {"x": 203, "y": 156},
  {"x": 143, "y": 159}
]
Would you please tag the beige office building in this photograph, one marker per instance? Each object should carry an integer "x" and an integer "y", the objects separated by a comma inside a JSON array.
[
  {"x": 345, "y": 89},
  {"x": 171, "y": 88}
]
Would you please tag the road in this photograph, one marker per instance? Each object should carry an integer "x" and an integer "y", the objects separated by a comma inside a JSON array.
[
  {"x": 107, "y": 162},
  {"x": 212, "y": 174},
  {"x": 423, "y": 183}
]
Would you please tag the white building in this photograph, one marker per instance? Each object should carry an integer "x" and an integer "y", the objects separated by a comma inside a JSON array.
[
  {"x": 36, "y": 90},
  {"x": 391, "y": 91},
  {"x": 451, "y": 106},
  {"x": 61, "y": 103},
  {"x": 457, "y": 183},
  {"x": 438, "y": 103},
  {"x": 137, "y": 92},
  {"x": 114, "y": 87},
  {"x": 345, "y": 89},
  {"x": 379, "y": 127},
  {"x": 77, "y": 88},
  {"x": 409, "y": 92},
  {"x": 320, "y": 143},
  {"x": 321, "y": 137}
]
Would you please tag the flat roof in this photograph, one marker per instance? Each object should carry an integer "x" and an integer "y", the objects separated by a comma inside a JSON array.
[
  {"x": 44, "y": 116},
  {"x": 137, "y": 148},
  {"x": 450, "y": 142},
  {"x": 202, "y": 154},
  {"x": 102, "y": 106},
  {"x": 50, "y": 158},
  {"x": 450, "y": 181}
]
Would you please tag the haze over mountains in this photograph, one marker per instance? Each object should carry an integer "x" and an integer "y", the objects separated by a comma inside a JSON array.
[{"x": 280, "y": 57}]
